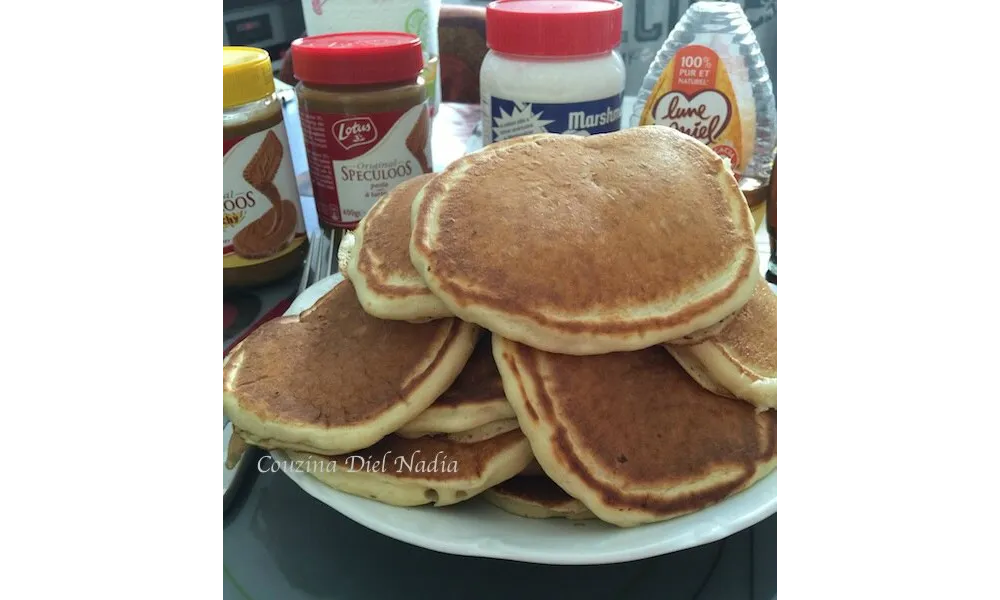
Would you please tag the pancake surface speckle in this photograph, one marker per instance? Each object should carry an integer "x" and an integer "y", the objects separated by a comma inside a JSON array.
[
  {"x": 588, "y": 245},
  {"x": 631, "y": 435},
  {"x": 335, "y": 379}
]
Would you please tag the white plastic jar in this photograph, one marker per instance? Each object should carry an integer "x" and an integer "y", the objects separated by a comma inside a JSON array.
[{"x": 552, "y": 68}]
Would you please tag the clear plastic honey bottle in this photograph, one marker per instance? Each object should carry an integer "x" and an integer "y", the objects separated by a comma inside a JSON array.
[{"x": 710, "y": 81}]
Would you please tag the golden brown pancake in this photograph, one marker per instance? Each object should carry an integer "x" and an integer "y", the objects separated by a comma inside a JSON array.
[
  {"x": 379, "y": 264},
  {"x": 335, "y": 379},
  {"x": 388, "y": 285},
  {"x": 425, "y": 470},
  {"x": 631, "y": 435},
  {"x": 742, "y": 360},
  {"x": 476, "y": 398},
  {"x": 535, "y": 498},
  {"x": 587, "y": 245}
]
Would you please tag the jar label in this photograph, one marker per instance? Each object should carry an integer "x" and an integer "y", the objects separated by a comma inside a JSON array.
[
  {"x": 513, "y": 118},
  {"x": 261, "y": 212},
  {"x": 355, "y": 159},
  {"x": 695, "y": 95}
]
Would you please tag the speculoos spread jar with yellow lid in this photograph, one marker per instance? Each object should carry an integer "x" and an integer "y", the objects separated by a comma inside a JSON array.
[{"x": 263, "y": 232}]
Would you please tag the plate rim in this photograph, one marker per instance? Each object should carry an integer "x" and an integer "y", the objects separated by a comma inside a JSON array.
[
  {"x": 505, "y": 551},
  {"x": 705, "y": 533}
]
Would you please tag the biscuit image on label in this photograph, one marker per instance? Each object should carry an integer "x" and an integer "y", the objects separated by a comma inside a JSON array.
[
  {"x": 268, "y": 234},
  {"x": 262, "y": 168},
  {"x": 416, "y": 142},
  {"x": 270, "y": 192}
]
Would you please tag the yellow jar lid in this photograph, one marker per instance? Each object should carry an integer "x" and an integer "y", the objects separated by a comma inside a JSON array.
[{"x": 246, "y": 75}]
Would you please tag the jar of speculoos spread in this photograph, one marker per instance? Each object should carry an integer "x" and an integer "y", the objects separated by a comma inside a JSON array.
[
  {"x": 365, "y": 122},
  {"x": 263, "y": 233}
]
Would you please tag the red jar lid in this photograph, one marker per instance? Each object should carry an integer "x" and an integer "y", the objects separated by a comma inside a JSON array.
[
  {"x": 357, "y": 58},
  {"x": 553, "y": 27}
]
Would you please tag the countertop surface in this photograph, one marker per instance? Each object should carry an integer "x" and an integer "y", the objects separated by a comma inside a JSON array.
[{"x": 280, "y": 543}]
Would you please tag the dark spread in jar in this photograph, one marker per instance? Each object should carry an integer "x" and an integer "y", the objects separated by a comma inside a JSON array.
[
  {"x": 364, "y": 117},
  {"x": 263, "y": 230}
]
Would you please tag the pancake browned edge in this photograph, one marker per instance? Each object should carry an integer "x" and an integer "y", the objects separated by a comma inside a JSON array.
[
  {"x": 630, "y": 434},
  {"x": 427, "y": 470},
  {"x": 742, "y": 360},
  {"x": 335, "y": 379},
  {"x": 476, "y": 398},
  {"x": 379, "y": 264},
  {"x": 483, "y": 432},
  {"x": 535, "y": 498},
  {"x": 704, "y": 334},
  {"x": 588, "y": 245}
]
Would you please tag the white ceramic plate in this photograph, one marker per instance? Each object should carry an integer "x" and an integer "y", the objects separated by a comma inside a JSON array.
[{"x": 476, "y": 528}]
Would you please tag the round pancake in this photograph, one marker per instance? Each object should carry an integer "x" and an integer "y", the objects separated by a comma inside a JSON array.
[
  {"x": 335, "y": 379},
  {"x": 379, "y": 263},
  {"x": 476, "y": 398},
  {"x": 426, "y": 470},
  {"x": 631, "y": 435},
  {"x": 742, "y": 360},
  {"x": 535, "y": 498},
  {"x": 588, "y": 245}
]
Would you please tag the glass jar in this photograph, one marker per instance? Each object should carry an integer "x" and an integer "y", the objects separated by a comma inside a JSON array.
[
  {"x": 263, "y": 232},
  {"x": 365, "y": 122},
  {"x": 551, "y": 68}
]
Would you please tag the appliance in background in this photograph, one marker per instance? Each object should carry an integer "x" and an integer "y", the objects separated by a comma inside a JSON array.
[{"x": 271, "y": 25}]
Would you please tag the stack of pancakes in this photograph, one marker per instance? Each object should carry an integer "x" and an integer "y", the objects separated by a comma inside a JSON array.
[{"x": 575, "y": 326}]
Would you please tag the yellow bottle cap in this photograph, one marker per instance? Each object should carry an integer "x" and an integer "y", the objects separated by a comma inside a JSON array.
[{"x": 246, "y": 75}]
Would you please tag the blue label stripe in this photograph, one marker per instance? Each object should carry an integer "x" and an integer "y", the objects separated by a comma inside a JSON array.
[{"x": 511, "y": 118}]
